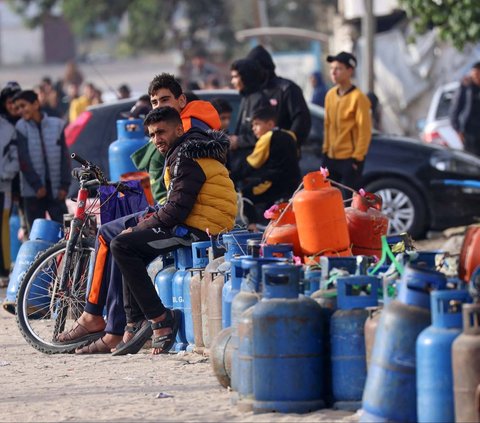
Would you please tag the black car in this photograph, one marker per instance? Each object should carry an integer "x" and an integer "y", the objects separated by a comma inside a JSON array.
[{"x": 423, "y": 187}]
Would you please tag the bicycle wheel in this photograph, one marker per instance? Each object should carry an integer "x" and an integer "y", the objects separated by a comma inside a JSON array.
[{"x": 43, "y": 311}]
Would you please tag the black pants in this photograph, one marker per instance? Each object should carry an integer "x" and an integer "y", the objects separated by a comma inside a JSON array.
[
  {"x": 36, "y": 208},
  {"x": 133, "y": 252},
  {"x": 343, "y": 171}
]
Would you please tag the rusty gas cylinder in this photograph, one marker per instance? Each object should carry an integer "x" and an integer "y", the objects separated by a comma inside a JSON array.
[
  {"x": 370, "y": 329},
  {"x": 221, "y": 356},
  {"x": 466, "y": 365}
]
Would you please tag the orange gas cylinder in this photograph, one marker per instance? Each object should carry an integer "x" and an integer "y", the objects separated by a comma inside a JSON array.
[
  {"x": 320, "y": 216},
  {"x": 282, "y": 228},
  {"x": 366, "y": 224},
  {"x": 469, "y": 253}
]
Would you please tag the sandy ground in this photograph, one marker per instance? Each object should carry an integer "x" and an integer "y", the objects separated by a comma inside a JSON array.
[{"x": 39, "y": 387}]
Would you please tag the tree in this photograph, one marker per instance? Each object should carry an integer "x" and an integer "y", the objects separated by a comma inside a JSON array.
[{"x": 457, "y": 21}]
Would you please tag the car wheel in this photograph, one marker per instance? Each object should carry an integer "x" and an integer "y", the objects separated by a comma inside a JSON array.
[{"x": 402, "y": 204}]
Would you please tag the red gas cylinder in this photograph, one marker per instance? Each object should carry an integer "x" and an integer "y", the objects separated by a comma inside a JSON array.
[
  {"x": 321, "y": 221},
  {"x": 282, "y": 228},
  {"x": 366, "y": 224},
  {"x": 469, "y": 253}
]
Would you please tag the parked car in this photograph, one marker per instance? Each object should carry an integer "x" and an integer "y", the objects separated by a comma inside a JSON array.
[
  {"x": 423, "y": 187},
  {"x": 437, "y": 129}
]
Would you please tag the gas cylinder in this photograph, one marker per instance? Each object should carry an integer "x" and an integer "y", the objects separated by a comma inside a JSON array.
[
  {"x": 347, "y": 340},
  {"x": 320, "y": 216},
  {"x": 434, "y": 357},
  {"x": 248, "y": 296},
  {"x": 192, "y": 306},
  {"x": 390, "y": 392},
  {"x": 230, "y": 289},
  {"x": 215, "y": 300},
  {"x": 163, "y": 285},
  {"x": 327, "y": 264},
  {"x": 207, "y": 279},
  {"x": 14, "y": 226},
  {"x": 44, "y": 233},
  {"x": 221, "y": 356},
  {"x": 370, "y": 329},
  {"x": 131, "y": 137},
  {"x": 366, "y": 224},
  {"x": 469, "y": 253},
  {"x": 282, "y": 228},
  {"x": 466, "y": 365},
  {"x": 245, "y": 345},
  {"x": 288, "y": 345},
  {"x": 183, "y": 262}
]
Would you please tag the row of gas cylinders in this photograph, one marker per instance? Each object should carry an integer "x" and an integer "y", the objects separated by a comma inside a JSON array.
[{"x": 321, "y": 345}]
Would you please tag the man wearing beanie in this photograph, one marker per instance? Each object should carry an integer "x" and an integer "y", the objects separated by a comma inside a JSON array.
[{"x": 284, "y": 95}]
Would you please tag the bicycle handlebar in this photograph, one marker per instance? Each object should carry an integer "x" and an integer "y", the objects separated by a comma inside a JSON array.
[{"x": 80, "y": 160}]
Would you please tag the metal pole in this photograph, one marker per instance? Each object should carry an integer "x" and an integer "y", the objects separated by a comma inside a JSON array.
[{"x": 368, "y": 29}]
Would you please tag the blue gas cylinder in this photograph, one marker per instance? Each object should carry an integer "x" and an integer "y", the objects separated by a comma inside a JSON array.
[
  {"x": 347, "y": 339},
  {"x": 390, "y": 391},
  {"x": 183, "y": 262},
  {"x": 247, "y": 297},
  {"x": 435, "y": 402},
  {"x": 44, "y": 233},
  {"x": 163, "y": 285},
  {"x": 288, "y": 346},
  {"x": 14, "y": 226},
  {"x": 131, "y": 136},
  {"x": 230, "y": 289},
  {"x": 199, "y": 262}
]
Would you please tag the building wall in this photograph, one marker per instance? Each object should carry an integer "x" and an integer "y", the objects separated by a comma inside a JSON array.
[{"x": 18, "y": 44}]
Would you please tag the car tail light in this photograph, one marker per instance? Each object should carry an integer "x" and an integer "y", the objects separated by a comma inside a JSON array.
[
  {"x": 434, "y": 137},
  {"x": 73, "y": 130}
]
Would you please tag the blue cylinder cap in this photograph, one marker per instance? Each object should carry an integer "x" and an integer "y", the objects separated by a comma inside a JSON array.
[
  {"x": 200, "y": 254},
  {"x": 236, "y": 242},
  {"x": 252, "y": 272},
  {"x": 280, "y": 280},
  {"x": 183, "y": 258},
  {"x": 278, "y": 250},
  {"x": 346, "y": 300},
  {"x": 447, "y": 307},
  {"x": 416, "y": 284}
]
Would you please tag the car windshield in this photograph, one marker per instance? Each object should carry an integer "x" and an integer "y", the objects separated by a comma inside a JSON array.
[{"x": 444, "y": 104}]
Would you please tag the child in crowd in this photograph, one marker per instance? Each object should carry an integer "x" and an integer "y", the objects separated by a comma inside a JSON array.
[
  {"x": 271, "y": 172},
  {"x": 224, "y": 111}
]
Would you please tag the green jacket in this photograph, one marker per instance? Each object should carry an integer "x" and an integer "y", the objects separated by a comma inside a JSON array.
[{"x": 148, "y": 158}]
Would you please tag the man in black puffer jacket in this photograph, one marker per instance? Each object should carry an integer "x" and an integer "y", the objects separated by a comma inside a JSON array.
[{"x": 284, "y": 95}]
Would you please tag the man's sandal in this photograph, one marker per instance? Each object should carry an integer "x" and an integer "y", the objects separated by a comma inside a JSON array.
[
  {"x": 172, "y": 321},
  {"x": 142, "y": 332}
]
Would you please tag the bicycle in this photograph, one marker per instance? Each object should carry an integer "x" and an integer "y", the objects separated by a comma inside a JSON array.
[{"x": 53, "y": 291}]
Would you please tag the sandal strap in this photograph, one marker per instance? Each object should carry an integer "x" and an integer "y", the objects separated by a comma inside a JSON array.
[{"x": 165, "y": 323}]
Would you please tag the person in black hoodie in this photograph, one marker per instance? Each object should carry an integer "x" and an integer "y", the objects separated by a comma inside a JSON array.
[
  {"x": 284, "y": 95},
  {"x": 246, "y": 78}
]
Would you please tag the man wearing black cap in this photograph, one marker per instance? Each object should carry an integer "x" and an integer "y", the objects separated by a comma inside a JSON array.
[
  {"x": 348, "y": 124},
  {"x": 465, "y": 111}
]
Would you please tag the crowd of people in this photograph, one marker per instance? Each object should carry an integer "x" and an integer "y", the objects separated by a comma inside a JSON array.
[{"x": 196, "y": 168}]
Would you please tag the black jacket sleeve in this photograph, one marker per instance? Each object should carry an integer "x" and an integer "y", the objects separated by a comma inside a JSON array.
[
  {"x": 457, "y": 106},
  {"x": 298, "y": 111},
  {"x": 187, "y": 179},
  {"x": 26, "y": 166}
]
